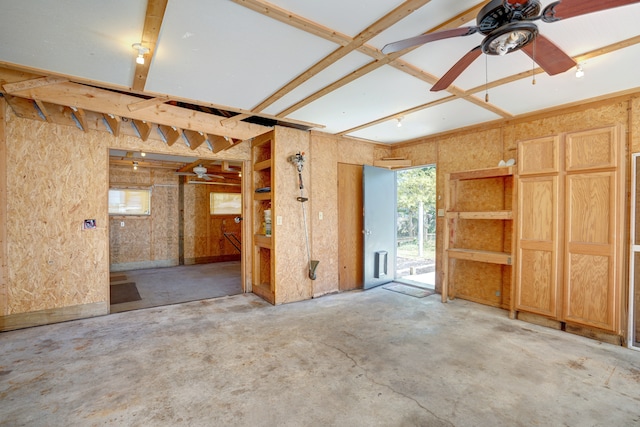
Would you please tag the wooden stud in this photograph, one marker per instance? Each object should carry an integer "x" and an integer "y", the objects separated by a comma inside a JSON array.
[{"x": 3, "y": 210}]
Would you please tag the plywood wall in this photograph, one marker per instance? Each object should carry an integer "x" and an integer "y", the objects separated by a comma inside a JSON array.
[
  {"x": 145, "y": 241},
  {"x": 56, "y": 178},
  {"x": 204, "y": 234}
]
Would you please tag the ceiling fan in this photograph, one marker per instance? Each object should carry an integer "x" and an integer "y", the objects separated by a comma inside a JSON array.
[
  {"x": 201, "y": 172},
  {"x": 508, "y": 26}
]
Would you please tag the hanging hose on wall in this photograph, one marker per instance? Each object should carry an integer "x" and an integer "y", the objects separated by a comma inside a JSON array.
[{"x": 298, "y": 161}]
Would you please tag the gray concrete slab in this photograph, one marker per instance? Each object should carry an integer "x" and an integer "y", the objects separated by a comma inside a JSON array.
[{"x": 374, "y": 358}]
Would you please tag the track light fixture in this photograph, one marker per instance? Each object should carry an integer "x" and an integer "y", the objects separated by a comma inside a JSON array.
[{"x": 142, "y": 51}]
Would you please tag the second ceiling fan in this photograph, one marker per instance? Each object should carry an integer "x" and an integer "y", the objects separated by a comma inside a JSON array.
[{"x": 508, "y": 26}]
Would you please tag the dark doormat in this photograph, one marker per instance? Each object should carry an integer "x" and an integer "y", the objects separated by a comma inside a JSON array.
[
  {"x": 124, "y": 292},
  {"x": 409, "y": 290}
]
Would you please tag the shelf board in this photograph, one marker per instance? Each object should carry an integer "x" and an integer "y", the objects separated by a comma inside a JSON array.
[
  {"x": 262, "y": 196},
  {"x": 503, "y": 258},
  {"x": 262, "y": 241},
  {"x": 482, "y": 173},
  {"x": 265, "y": 164},
  {"x": 480, "y": 215}
]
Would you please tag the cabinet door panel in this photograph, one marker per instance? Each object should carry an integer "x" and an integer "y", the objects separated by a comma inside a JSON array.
[
  {"x": 590, "y": 250},
  {"x": 538, "y": 242},
  {"x": 538, "y": 156},
  {"x": 592, "y": 149}
]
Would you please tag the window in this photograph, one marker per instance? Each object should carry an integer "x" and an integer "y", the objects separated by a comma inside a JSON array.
[
  {"x": 225, "y": 203},
  {"x": 129, "y": 202}
]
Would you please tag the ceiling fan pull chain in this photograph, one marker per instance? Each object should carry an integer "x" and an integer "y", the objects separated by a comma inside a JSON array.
[
  {"x": 533, "y": 62},
  {"x": 486, "y": 78}
]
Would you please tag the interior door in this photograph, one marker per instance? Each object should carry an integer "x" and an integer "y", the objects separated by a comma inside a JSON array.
[{"x": 379, "y": 201}]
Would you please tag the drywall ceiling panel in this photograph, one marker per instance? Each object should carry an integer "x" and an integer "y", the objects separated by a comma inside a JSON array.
[
  {"x": 336, "y": 71},
  {"x": 441, "y": 118},
  {"x": 388, "y": 89},
  {"x": 219, "y": 52},
  {"x": 91, "y": 40},
  {"x": 611, "y": 73}
]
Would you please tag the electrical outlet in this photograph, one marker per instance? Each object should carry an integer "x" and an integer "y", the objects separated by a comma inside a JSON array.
[
  {"x": 320, "y": 216},
  {"x": 121, "y": 223}
]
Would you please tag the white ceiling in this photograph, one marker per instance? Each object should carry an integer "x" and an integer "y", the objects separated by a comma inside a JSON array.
[{"x": 223, "y": 53}]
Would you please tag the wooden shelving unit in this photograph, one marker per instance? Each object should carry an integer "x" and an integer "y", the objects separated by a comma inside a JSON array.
[
  {"x": 263, "y": 275},
  {"x": 480, "y": 246}
]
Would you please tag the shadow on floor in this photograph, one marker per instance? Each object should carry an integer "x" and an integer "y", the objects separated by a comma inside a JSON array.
[{"x": 173, "y": 285}]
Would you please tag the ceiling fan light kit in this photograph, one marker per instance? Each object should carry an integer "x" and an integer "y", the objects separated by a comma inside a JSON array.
[{"x": 508, "y": 26}]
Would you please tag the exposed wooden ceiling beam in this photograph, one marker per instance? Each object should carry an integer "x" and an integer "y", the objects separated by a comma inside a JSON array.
[
  {"x": 391, "y": 59},
  {"x": 147, "y": 103},
  {"x": 171, "y": 134},
  {"x": 368, "y": 33},
  {"x": 107, "y": 102},
  {"x": 195, "y": 138},
  {"x": 33, "y": 83},
  {"x": 81, "y": 117},
  {"x": 143, "y": 127},
  {"x": 150, "y": 33}
]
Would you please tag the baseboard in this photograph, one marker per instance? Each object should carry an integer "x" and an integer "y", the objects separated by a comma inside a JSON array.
[{"x": 54, "y": 315}]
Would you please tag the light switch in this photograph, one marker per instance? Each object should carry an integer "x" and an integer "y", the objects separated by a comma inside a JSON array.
[
  {"x": 440, "y": 212},
  {"x": 320, "y": 216},
  {"x": 278, "y": 220}
]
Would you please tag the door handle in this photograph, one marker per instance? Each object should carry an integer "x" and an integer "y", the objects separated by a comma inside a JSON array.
[{"x": 237, "y": 219}]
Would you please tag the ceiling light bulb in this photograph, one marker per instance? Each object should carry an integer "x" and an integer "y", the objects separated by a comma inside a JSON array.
[
  {"x": 135, "y": 166},
  {"x": 399, "y": 124},
  {"x": 143, "y": 154},
  {"x": 141, "y": 52},
  {"x": 579, "y": 71}
]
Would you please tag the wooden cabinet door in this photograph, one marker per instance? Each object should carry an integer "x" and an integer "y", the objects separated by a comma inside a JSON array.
[
  {"x": 537, "y": 245},
  {"x": 590, "y": 292}
]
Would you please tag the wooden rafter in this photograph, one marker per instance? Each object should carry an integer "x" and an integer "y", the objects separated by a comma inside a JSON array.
[
  {"x": 150, "y": 33},
  {"x": 43, "y": 110},
  {"x": 81, "y": 117},
  {"x": 114, "y": 123},
  {"x": 195, "y": 138},
  {"x": 147, "y": 103},
  {"x": 170, "y": 133},
  {"x": 143, "y": 127}
]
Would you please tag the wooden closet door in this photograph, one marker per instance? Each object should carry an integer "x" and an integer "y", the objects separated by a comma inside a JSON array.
[
  {"x": 590, "y": 284},
  {"x": 538, "y": 240},
  {"x": 537, "y": 281},
  {"x": 593, "y": 229}
]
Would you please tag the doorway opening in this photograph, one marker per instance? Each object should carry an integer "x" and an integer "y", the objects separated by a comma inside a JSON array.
[
  {"x": 182, "y": 242},
  {"x": 416, "y": 226}
]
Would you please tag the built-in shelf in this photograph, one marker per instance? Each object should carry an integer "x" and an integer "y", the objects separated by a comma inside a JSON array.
[
  {"x": 262, "y": 241},
  {"x": 262, "y": 196},
  {"x": 479, "y": 216},
  {"x": 259, "y": 166}
]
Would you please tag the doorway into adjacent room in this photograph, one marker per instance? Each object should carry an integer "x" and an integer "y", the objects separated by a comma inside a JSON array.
[{"x": 416, "y": 226}]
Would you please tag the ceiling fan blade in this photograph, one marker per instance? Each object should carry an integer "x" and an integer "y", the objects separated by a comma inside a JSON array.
[
  {"x": 569, "y": 8},
  {"x": 209, "y": 177},
  {"x": 455, "y": 71},
  {"x": 429, "y": 37},
  {"x": 548, "y": 56}
]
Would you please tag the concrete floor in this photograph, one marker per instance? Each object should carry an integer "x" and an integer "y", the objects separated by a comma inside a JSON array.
[
  {"x": 184, "y": 283},
  {"x": 374, "y": 358}
]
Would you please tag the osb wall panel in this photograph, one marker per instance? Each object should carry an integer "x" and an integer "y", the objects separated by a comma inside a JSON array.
[
  {"x": 323, "y": 166},
  {"x": 56, "y": 178},
  {"x": 3, "y": 208},
  {"x": 634, "y": 126},
  {"x": 601, "y": 114},
  {"x": 204, "y": 238},
  {"x": 145, "y": 241},
  {"x": 292, "y": 266},
  {"x": 420, "y": 154},
  {"x": 358, "y": 152}
]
